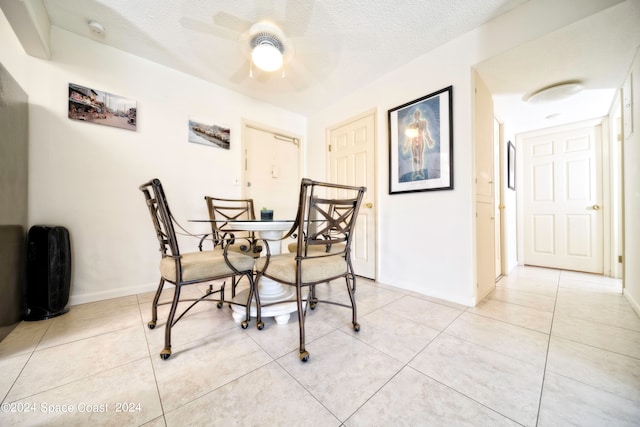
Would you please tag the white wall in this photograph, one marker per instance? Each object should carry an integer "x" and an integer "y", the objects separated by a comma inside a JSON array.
[
  {"x": 86, "y": 176},
  {"x": 632, "y": 196},
  {"x": 427, "y": 240}
]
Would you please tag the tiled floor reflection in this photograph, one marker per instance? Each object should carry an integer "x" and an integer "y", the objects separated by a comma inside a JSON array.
[{"x": 546, "y": 348}]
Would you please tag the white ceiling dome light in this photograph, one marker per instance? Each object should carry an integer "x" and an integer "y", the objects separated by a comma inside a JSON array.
[
  {"x": 555, "y": 92},
  {"x": 268, "y": 46}
]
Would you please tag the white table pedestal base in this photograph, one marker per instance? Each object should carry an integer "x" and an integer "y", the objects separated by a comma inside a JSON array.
[{"x": 270, "y": 292}]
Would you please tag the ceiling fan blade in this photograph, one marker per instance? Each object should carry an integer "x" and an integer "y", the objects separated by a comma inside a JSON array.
[
  {"x": 206, "y": 28},
  {"x": 297, "y": 16},
  {"x": 231, "y": 22},
  {"x": 241, "y": 74},
  {"x": 301, "y": 76},
  {"x": 264, "y": 9}
]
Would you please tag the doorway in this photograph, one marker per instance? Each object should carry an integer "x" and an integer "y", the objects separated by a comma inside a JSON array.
[
  {"x": 271, "y": 169},
  {"x": 351, "y": 161}
]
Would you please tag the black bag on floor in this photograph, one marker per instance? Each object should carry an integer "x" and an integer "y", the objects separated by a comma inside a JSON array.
[{"x": 48, "y": 272}]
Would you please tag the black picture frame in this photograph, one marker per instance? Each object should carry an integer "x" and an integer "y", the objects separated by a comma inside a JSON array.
[
  {"x": 421, "y": 144},
  {"x": 511, "y": 166}
]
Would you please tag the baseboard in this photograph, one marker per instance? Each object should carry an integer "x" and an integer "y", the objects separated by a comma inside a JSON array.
[
  {"x": 482, "y": 296},
  {"x": 634, "y": 304},
  {"x": 75, "y": 299},
  {"x": 466, "y": 301},
  {"x": 6, "y": 330}
]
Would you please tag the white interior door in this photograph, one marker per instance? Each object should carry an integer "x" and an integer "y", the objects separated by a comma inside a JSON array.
[
  {"x": 563, "y": 192},
  {"x": 483, "y": 126},
  {"x": 485, "y": 241},
  {"x": 497, "y": 199},
  {"x": 352, "y": 162},
  {"x": 272, "y": 171}
]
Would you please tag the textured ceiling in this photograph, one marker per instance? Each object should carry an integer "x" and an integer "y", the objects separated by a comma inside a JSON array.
[
  {"x": 337, "y": 46},
  {"x": 597, "y": 50}
]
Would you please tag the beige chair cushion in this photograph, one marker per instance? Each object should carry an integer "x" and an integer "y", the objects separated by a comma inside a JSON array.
[
  {"x": 320, "y": 248},
  {"x": 205, "y": 264},
  {"x": 283, "y": 267}
]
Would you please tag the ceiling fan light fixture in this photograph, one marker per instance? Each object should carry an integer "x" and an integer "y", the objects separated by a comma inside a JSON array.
[
  {"x": 556, "y": 92},
  {"x": 266, "y": 57},
  {"x": 267, "y": 52}
]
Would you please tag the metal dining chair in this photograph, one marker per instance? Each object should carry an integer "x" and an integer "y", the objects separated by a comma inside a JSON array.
[
  {"x": 324, "y": 227},
  {"x": 182, "y": 269},
  {"x": 221, "y": 211}
]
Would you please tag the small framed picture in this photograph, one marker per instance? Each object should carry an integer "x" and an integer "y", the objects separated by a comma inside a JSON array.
[
  {"x": 96, "y": 106},
  {"x": 421, "y": 144},
  {"x": 202, "y": 131}
]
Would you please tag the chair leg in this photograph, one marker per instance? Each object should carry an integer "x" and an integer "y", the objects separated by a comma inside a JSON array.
[
  {"x": 353, "y": 277},
  {"x": 351, "y": 290},
  {"x": 313, "y": 300},
  {"x": 255, "y": 290},
  {"x": 247, "y": 316},
  {"x": 154, "y": 306},
  {"x": 221, "y": 300},
  {"x": 234, "y": 283},
  {"x": 304, "y": 354},
  {"x": 166, "y": 352}
]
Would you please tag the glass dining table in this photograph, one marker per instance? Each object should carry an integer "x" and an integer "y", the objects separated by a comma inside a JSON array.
[{"x": 271, "y": 292}]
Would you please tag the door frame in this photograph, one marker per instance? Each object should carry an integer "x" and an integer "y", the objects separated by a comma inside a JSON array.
[
  {"x": 241, "y": 180},
  {"x": 499, "y": 171},
  {"x": 373, "y": 112}
]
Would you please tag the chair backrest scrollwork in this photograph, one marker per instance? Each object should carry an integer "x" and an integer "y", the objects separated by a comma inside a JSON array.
[
  {"x": 161, "y": 217},
  {"x": 326, "y": 217},
  {"x": 223, "y": 210}
]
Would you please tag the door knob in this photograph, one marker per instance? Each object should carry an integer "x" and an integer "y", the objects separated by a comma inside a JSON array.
[
  {"x": 596, "y": 207},
  {"x": 369, "y": 205}
]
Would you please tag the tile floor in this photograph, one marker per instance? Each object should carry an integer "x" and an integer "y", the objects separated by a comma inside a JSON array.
[{"x": 546, "y": 348}]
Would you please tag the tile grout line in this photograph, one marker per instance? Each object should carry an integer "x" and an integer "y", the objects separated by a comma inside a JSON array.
[
  {"x": 77, "y": 379},
  {"x": 443, "y": 331},
  {"x": 148, "y": 357},
  {"x": 546, "y": 359},
  {"x": 26, "y": 362}
]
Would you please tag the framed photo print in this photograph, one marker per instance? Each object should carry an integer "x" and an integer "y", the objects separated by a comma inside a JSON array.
[
  {"x": 96, "y": 106},
  {"x": 421, "y": 144},
  {"x": 202, "y": 131}
]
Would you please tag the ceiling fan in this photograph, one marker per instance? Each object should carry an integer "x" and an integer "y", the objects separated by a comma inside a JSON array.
[{"x": 259, "y": 32}]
